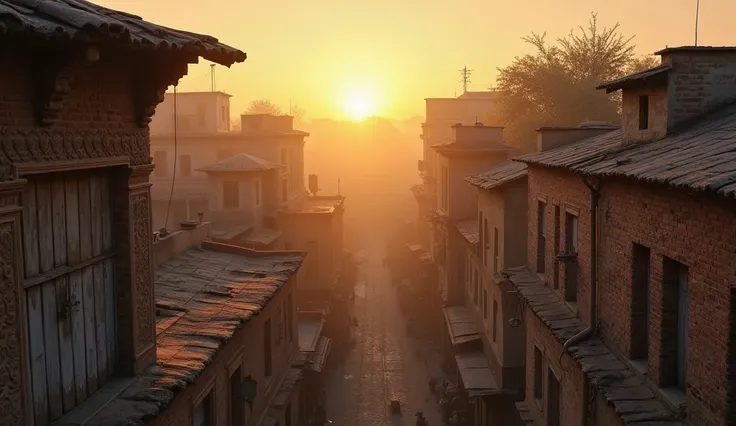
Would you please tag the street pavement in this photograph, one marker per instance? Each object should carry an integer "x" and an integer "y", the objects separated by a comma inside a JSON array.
[{"x": 384, "y": 363}]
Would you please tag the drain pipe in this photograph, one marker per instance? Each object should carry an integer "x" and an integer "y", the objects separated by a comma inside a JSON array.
[{"x": 593, "y": 312}]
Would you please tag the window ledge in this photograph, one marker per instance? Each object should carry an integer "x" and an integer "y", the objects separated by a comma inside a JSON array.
[{"x": 674, "y": 396}]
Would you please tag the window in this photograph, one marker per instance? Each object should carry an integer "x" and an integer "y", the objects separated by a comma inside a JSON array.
[
  {"x": 257, "y": 191},
  {"x": 237, "y": 404},
  {"x": 571, "y": 266},
  {"x": 480, "y": 231},
  {"x": 485, "y": 304},
  {"x": 230, "y": 195},
  {"x": 201, "y": 115},
  {"x": 541, "y": 236},
  {"x": 643, "y": 112},
  {"x": 445, "y": 187},
  {"x": 475, "y": 289},
  {"x": 538, "y": 375},
  {"x": 290, "y": 317},
  {"x": 675, "y": 306},
  {"x": 485, "y": 241},
  {"x": 161, "y": 167},
  {"x": 267, "y": 348},
  {"x": 283, "y": 156},
  {"x": 553, "y": 399},
  {"x": 185, "y": 165},
  {"x": 556, "y": 267},
  {"x": 284, "y": 190},
  {"x": 204, "y": 413},
  {"x": 495, "y": 250},
  {"x": 640, "y": 258},
  {"x": 495, "y": 319}
]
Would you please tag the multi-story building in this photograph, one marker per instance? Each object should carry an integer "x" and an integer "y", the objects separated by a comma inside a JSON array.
[
  {"x": 79, "y": 333},
  {"x": 182, "y": 158},
  {"x": 629, "y": 303},
  {"x": 496, "y": 241},
  {"x": 441, "y": 114}
]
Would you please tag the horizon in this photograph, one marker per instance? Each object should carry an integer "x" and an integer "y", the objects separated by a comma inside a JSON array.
[{"x": 389, "y": 57}]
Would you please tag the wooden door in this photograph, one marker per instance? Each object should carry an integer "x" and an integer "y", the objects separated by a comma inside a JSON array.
[{"x": 67, "y": 247}]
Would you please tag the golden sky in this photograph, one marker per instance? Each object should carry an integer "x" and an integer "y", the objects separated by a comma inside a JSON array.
[{"x": 398, "y": 52}]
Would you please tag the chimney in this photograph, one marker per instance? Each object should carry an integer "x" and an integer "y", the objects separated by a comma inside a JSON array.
[
  {"x": 690, "y": 81},
  {"x": 478, "y": 134},
  {"x": 555, "y": 137}
]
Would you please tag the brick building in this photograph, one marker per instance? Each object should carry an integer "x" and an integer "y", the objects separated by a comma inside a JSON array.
[
  {"x": 82, "y": 322},
  {"x": 629, "y": 285}
]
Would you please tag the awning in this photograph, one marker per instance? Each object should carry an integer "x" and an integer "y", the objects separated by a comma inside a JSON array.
[
  {"x": 316, "y": 360},
  {"x": 476, "y": 374},
  {"x": 461, "y": 325},
  {"x": 309, "y": 329},
  {"x": 288, "y": 384}
]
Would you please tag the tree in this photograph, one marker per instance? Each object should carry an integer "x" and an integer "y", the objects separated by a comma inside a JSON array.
[
  {"x": 263, "y": 106},
  {"x": 297, "y": 112},
  {"x": 556, "y": 84}
]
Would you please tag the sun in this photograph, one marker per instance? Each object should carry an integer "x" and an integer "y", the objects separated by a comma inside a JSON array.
[{"x": 359, "y": 104}]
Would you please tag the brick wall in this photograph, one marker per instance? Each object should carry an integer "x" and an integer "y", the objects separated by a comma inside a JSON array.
[
  {"x": 699, "y": 232},
  {"x": 245, "y": 349},
  {"x": 698, "y": 82},
  {"x": 563, "y": 189}
]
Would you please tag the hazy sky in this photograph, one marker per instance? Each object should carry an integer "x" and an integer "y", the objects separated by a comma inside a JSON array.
[{"x": 318, "y": 52}]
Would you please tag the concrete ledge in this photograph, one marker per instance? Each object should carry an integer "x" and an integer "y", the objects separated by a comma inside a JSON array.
[{"x": 166, "y": 247}]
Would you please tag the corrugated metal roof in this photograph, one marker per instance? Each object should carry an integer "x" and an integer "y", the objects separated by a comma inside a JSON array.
[
  {"x": 701, "y": 157},
  {"x": 240, "y": 163},
  {"x": 461, "y": 325},
  {"x": 478, "y": 379},
  {"x": 80, "y": 20},
  {"x": 635, "y": 78},
  {"x": 498, "y": 175}
]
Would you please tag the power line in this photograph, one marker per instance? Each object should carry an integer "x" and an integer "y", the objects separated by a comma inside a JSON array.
[
  {"x": 465, "y": 73},
  {"x": 173, "y": 178}
]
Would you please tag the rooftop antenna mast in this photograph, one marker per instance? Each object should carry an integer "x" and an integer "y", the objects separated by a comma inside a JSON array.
[
  {"x": 212, "y": 76},
  {"x": 465, "y": 73},
  {"x": 697, "y": 16}
]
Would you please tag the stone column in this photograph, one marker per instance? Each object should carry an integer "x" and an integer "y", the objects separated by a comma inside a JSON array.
[
  {"x": 134, "y": 270},
  {"x": 14, "y": 402}
]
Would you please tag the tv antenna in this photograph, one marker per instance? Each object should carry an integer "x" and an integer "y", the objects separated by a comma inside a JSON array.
[
  {"x": 697, "y": 15},
  {"x": 465, "y": 73},
  {"x": 212, "y": 76}
]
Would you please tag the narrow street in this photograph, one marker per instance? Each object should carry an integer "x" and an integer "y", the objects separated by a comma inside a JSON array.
[{"x": 384, "y": 363}]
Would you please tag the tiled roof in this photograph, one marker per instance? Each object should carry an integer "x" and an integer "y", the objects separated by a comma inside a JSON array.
[
  {"x": 498, "y": 175},
  {"x": 620, "y": 386},
  {"x": 203, "y": 296},
  {"x": 700, "y": 157},
  {"x": 240, "y": 163},
  {"x": 636, "y": 78},
  {"x": 82, "y": 21},
  {"x": 469, "y": 230}
]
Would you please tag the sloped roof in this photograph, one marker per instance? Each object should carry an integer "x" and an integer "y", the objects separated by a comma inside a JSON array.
[
  {"x": 498, "y": 175},
  {"x": 658, "y": 72},
  {"x": 469, "y": 230},
  {"x": 240, "y": 163},
  {"x": 203, "y": 296},
  {"x": 700, "y": 157},
  {"x": 80, "y": 20}
]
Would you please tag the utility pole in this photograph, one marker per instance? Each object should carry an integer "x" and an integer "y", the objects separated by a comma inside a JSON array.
[
  {"x": 697, "y": 15},
  {"x": 212, "y": 76},
  {"x": 465, "y": 73}
]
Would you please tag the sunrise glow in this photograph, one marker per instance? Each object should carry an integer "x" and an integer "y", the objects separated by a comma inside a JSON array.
[{"x": 359, "y": 104}]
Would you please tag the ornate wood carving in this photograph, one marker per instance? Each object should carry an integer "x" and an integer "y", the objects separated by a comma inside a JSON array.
[
  {"x": 151, "y": 85},
  {"x": 31, "y": 145},
  {"x": 11, "y": 391},
  {"x": 144, "y": 315}
]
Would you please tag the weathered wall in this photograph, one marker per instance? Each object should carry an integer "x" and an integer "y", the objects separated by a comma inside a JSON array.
[
  {"x": 657, "y": 128},
  {"x": 699, "y": 232}
]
